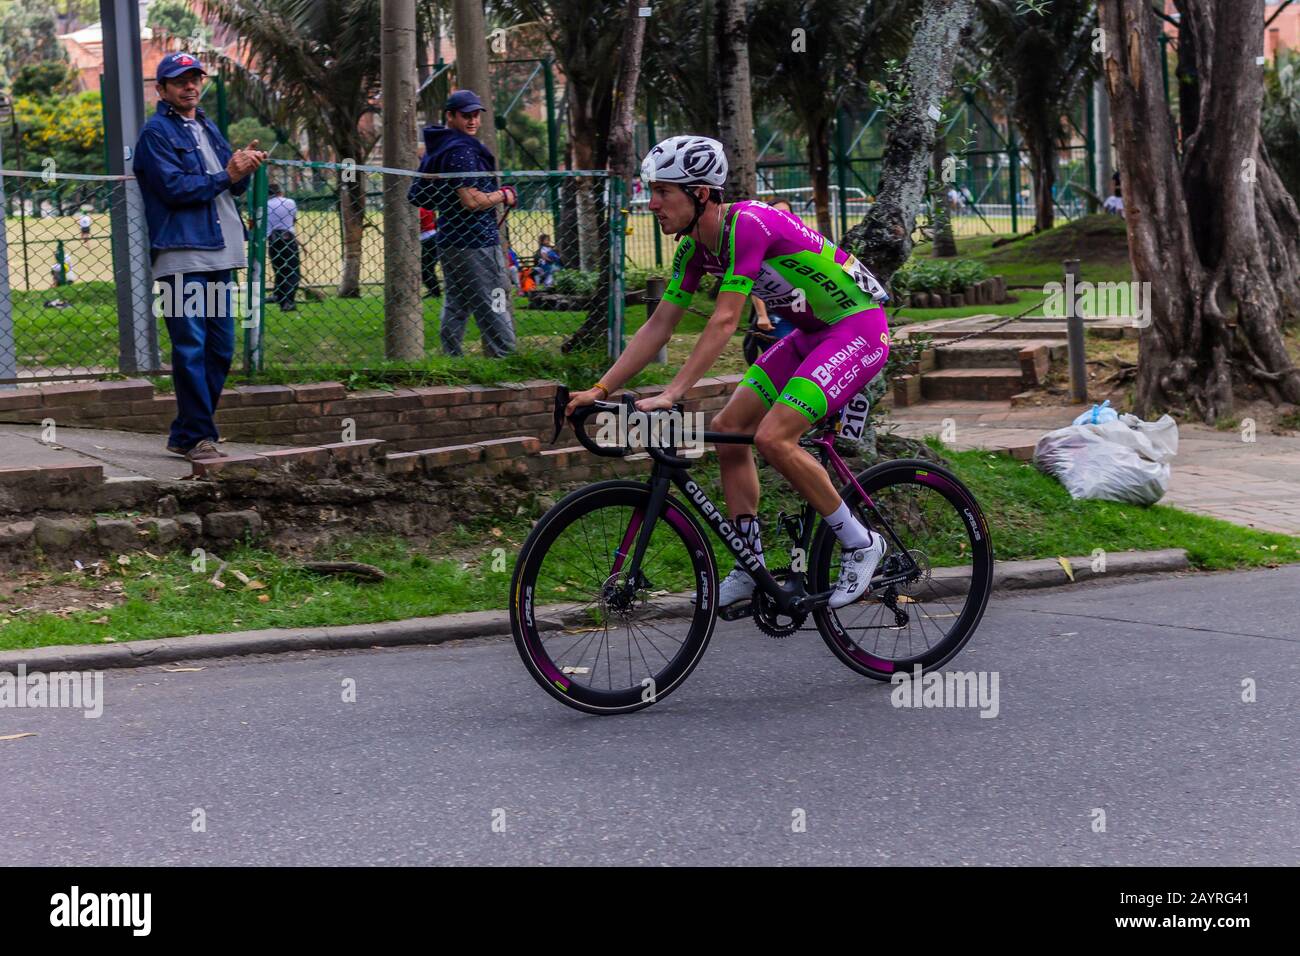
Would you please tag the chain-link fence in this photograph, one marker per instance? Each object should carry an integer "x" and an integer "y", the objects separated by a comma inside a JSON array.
[
  {"x": 59, "y": 301},
  {"x": 493, "y": 277},
  {"x": 76, "y": 300}
]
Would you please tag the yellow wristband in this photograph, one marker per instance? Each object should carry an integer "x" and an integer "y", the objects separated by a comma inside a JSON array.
[{"x": 603, "y": 387}]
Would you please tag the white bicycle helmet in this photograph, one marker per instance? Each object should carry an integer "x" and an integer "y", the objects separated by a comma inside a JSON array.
[{"x": 686, "y": 160}]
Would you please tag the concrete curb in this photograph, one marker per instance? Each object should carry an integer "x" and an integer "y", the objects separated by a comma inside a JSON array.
[{"x": 1008, "y": 576}]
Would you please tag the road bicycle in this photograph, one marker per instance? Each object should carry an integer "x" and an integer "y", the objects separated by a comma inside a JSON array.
[{"x": 614, "y": 595}]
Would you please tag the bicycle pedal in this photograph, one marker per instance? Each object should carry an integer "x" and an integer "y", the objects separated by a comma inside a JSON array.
[{"x": 737, "y": 611}]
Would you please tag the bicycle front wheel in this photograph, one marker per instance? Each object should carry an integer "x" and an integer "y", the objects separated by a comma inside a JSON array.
[
  {"x": 598, "y": 635},
  {"x": 930, "y": 591}
]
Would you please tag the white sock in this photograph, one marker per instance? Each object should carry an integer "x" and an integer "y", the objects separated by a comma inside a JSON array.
[
  {"x": 851, "y": 532},
  {"x": 748, "y": 527}
]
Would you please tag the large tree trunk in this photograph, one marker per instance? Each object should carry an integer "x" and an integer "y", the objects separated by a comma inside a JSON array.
[
  {"x": 819, "y": 163},
  {"x": 352, "y": 212},
  {"x": 593, "y": 239},
  {"x": 883, "y": 240},
  {"x": 735, "y": 100},
  {"x": 622, "y": 158},
  {"x": 945, "y": 245},
  {"x": 1193, "y": 230},
  {"x": 472, "y": 63},
  {"x": 1042, "y": 157},
  {"x": 403, "y": 307}
]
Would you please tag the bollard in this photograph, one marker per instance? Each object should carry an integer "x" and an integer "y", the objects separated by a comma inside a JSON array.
[
  {"x": 1074, "y": 334},
  {"x": 654, "y": 292}
]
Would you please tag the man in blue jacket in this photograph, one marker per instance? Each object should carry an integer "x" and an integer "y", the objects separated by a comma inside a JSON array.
[
  {"x": 189, "y": 175},
  {"x": 469, "y": 245}
]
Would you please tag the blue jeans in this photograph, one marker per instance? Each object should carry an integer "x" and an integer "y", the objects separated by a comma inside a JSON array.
[{"x": 203, "y": 345}]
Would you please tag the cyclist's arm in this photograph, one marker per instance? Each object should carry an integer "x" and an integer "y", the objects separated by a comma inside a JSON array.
[
  {"x": 645, "y": 344},
  {"x": 721, "y": 327}
]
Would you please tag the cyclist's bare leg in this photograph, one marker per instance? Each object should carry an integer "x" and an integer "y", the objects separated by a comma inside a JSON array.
[
  {"x": 777, "y": 440},
  {"x": 742, "y": 414}
]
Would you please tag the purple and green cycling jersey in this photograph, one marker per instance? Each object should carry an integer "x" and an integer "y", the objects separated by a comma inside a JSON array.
[
  {"x": 798, "y": 273},
  {"x": 841, "y": 338}
]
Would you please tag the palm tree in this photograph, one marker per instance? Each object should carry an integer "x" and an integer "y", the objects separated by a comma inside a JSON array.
[
  {"x": 815, "y": 56},
  {"x": 1038, "y": 61},
  {"x": 681, "y": 64},
  {"x": 313, "y": 65}
]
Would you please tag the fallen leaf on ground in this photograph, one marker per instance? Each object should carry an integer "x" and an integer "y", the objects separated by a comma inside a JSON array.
[
  {"x": 123, "y": 560},
  {"x": 100, "y": 620},
  {"x": 254, "y": 585},
  {"x": 16, "y": 736},
  {"x": 1065, "y": 565},
  {"x": 243, "y": 578},
  {"x": 264, "y": 598}
]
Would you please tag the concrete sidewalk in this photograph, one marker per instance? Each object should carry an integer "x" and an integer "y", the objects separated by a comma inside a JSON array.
[
  {"x": 123, "y": 454},
  {"x": 1255, "y": 484}
]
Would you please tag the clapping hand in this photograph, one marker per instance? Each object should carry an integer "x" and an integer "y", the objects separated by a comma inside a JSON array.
[{"x": 245, "y": 161}]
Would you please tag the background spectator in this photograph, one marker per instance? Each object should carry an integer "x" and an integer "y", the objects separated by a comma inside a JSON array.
[
  {"x": 188, "y": 175},
  {"x": 429, "y": 251},
  {"x": 282, "y": 246},
  {"x": 469, "y": 242},
  {"x": 548, "y": 261}
]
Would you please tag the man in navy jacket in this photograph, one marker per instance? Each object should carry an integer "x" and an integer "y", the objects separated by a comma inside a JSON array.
[
  {"x": 469, "y": 244},
  {"x": 188, "y": 176}
]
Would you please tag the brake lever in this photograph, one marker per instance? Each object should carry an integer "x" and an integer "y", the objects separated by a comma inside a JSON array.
[{"x": 561, "y": 403}]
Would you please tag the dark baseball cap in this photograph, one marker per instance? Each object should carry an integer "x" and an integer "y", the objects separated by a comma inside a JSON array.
[
  {"x": 464, "y": 101},
  {"x": 174, "y": 64}
]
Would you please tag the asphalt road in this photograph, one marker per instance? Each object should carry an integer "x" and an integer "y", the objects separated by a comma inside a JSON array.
[{"x": 1119, "y": 697}]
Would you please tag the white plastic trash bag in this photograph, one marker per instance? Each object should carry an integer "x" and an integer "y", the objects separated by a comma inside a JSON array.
[{"x": 1122, "y": 460}]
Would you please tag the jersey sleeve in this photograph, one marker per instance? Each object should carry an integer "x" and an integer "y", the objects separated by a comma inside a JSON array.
[
  {"x": 686, "y": 274},
  {"x": 746, "y": 249}
]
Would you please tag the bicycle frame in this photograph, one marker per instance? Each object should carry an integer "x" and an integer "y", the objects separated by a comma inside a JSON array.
[{"x": 791, "y": 598}]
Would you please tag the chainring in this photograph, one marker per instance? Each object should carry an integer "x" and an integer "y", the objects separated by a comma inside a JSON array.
[{"x": 768, "y": 618}]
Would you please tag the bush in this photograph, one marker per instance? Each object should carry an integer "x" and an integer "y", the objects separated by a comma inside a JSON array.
[
  {"x": 576, "y": 282},
  {"x": 938, "y": 275}
]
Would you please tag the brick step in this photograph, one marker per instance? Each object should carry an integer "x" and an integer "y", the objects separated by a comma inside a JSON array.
[
  {"x": 1016, "y": 330},
  {"x": 996, "y": 353},
  {"x": 971, "y": 384}
]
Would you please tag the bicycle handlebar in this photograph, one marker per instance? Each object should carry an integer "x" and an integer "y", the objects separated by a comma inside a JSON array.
[{"x": 578, "y": 421}]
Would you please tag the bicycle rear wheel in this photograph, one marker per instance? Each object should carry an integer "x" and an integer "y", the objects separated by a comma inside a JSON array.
[
  {"x": 940, "y": 550},
  {"x": 589, "y": 641}
]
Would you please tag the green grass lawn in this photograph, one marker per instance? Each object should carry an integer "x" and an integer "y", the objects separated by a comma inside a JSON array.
[
  {"x": 345, "y": 333},
  {"x": 1099, "y": 243},
  {"x": 1029, "y": 515}
]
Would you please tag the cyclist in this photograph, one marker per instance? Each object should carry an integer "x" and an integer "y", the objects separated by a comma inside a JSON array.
[{"x": 840, "y": 342}]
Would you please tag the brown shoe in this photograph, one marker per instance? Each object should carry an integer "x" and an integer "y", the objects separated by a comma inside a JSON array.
[
  {"x": 177, "y": 450},
  {"x": 204, "y": 451}
]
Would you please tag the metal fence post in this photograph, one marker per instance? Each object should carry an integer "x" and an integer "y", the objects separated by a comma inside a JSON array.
[
  {"x": 123, "y": 98},
  {"x": 256, "y": 273},
  {"x": 1013, "y": 149},
  {"x": 654, "y": 293},
  {"x": 8, "y": 352},
  {"x": 617, "y": 235},
  {"x": 552, "y": 146},
  {"x": 223, "y": 113},
  {"x": 841, "y": 160},
  {"x": 650, "y": 135},
  {"x": 1074, "y": 334}
]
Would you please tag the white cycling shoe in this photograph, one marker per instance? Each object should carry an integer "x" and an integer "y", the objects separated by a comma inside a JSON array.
[
  {"x": 856, "y": 568},
  {"x": 736, "y": 586}
]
